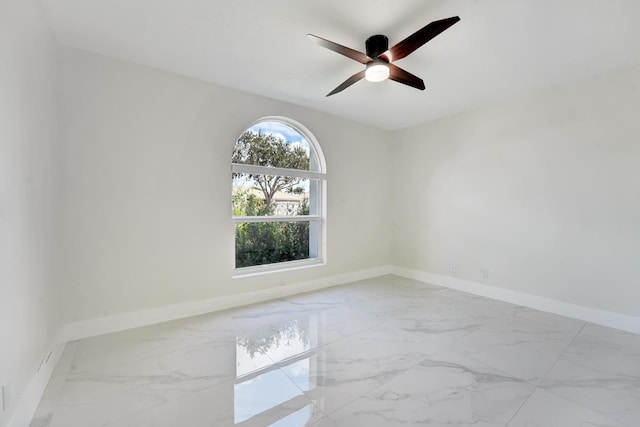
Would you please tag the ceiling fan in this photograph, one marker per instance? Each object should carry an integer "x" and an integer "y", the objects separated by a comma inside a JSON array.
[{"x": 379, "y": 57}]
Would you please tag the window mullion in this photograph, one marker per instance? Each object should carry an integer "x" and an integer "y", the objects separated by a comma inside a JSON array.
[
  {"x": 268, "y": 170},
  {"x": 276, "y": 218},
  {"x": 284, "y": 231}
]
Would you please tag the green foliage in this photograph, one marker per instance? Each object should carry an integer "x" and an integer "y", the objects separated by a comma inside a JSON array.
[
  {"x": 245, "y": 203},
  {"x": 270, "y": 242},
  {"x": 303, "y": 209},
  {"x": 260, "y": 341},
  {"x": 267, "y": 150},
  {"x": 259, "y": 243}
]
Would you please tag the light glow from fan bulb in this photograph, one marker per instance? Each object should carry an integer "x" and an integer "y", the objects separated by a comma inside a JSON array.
[{"x": 376, "y": 72}]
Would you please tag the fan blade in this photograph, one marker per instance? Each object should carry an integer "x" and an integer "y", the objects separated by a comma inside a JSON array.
[
  {"x": 417, "y": 39},
  {"x": 399, "y": 75},
  {"x": 342, "y": 50},
  {"x": 351, "y": 80}
]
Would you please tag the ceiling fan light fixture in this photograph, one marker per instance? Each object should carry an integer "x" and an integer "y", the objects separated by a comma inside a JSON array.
[
  {"x": 377, "y": 60},
  {"x": 376, "y": 72}
]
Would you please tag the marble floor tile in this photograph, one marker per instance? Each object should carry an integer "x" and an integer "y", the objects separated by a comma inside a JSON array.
[
  {"x": 522, "y": 348},
  {"x": 94, "y": 397},
  {"x": 140, "y": 343},
  {"x": 627, "y": 341},
  {"x": 303, "y": 333},
  {"x": 398, "y": 282},
  {"x": 601, "y": 371},
  {"x": 392, "y": 301},
  {"x": 386, "y": 294},
  {"x": 269, "y": 398},
  {"x": 313, "y": 302},
  {"x": 338, "y": 373},
  {"x": 263, "y": 314},
  {"x": 444, "y": 390},
  {"x": 442, "y": 320},
  {"x": 546, "y": 410},
  {"x": 380, "y": 352},
  {"x": 342, "y": 322},
  {"x": 484, "y": 302},
  {"x": 324, "y": 422},
  {"x": 558, "y": 322}
]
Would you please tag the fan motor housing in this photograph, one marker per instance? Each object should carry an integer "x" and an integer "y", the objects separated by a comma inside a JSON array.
[{"x": 376, "y": 45}]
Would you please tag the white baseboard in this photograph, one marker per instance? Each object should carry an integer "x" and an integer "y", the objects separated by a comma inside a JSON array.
[
  {"x": 610, "y": 319},
  {"x": 28, "y": 403},
  {"x": 120, "y": 322},
  {"x": 87, "y": 328},
  {"x": 93, "y": 327}
]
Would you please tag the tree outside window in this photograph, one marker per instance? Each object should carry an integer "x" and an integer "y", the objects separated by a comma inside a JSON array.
[{"x": 276, "y": 195}]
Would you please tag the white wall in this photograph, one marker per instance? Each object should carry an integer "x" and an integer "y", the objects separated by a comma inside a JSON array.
[
  {"x": 28, "y": 132},
  {"x": 146, "y": 187},
  {"x": 544, "y": 192}
]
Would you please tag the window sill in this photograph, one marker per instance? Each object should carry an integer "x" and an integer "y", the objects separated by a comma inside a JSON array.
[{"x": 260, "y": 270}]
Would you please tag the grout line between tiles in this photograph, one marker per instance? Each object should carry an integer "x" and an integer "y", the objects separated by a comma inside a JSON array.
[
  {"x": 564, "y": 350},
  {"x": 521, "y": 406}
]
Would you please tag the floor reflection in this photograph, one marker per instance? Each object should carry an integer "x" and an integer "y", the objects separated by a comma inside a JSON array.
[
  {"x": 381, "y": 352},
  {"x": 290, "y": 346}
]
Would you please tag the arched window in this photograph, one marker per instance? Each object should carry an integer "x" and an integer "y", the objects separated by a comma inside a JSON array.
[{"x": 278, "y": 196}]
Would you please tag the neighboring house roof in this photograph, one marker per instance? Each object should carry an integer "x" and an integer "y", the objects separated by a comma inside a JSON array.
[{"x": 282, "y": 196}]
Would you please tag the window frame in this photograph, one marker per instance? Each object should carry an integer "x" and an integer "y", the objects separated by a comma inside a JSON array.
[{"x": 320, "y": 219}]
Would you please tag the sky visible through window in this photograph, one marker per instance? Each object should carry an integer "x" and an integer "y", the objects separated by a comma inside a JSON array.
[
  {"x": 284, "y": 132},
  {"x": 289, "y": 196}
]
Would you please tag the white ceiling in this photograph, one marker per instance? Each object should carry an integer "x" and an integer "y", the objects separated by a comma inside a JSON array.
[{"x": 500, "y": 48}]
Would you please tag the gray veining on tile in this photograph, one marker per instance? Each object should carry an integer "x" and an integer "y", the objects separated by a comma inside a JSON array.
[
  {"x": 260, "y": 401},
  {"x": 443, "y": 390},
  {"x": 141, "y": 343},
  {"x": 517, "y": 346},
  {"x": 102, "y": 395},
  {"x": 338, "y": 373},
  {"x": 546, "y": 410},
  {"x": 558, "y": 322},
  {"x": 381, "y": 352},
  {"x": 484, "y": 302},
  {"x": 324, "y": 422},
  {"x": 442, "y": 320},
  {"x": 263, "y": 314},
  {"x": 600, "y": 370}
]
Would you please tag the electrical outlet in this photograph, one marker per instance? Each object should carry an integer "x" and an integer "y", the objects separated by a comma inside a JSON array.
[
  {"x": 485, "y": 274},
  {"x": 453, "y": 268}
]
